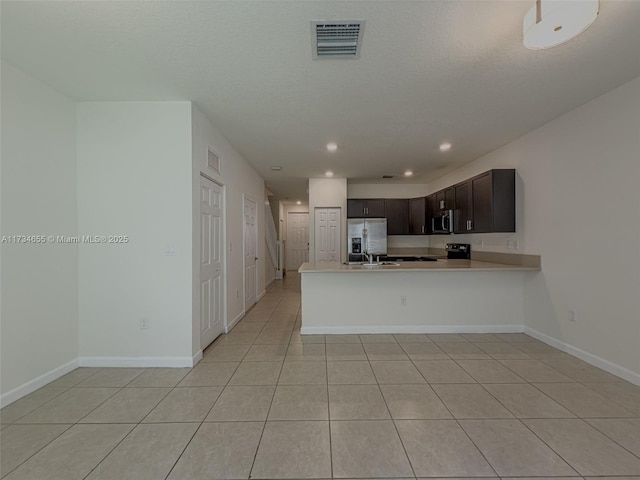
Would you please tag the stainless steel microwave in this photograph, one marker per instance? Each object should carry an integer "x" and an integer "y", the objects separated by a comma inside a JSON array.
[{"x": 442, "y": 222}]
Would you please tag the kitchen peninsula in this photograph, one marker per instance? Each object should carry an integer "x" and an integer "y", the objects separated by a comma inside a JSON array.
[{"x": 447, "y": 296}]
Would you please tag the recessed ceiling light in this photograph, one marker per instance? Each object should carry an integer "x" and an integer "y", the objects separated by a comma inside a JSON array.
[
  {"x": 445, "y": 146},
  {"x": 408, "y": 173},
  {"x": 298, "y": 202},
  {"x": 276, "y": 168},
  {"x": 329, "y": 173},
  {"x": 332, "y": 147}
]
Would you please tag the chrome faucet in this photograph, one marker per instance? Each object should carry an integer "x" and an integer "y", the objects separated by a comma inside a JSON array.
[{"x": 365, "y": 250}]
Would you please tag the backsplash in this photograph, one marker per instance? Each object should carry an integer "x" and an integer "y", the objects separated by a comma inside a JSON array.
[
  {"x": 407, "y": 241},
  {"x": 483, "y": 242}
]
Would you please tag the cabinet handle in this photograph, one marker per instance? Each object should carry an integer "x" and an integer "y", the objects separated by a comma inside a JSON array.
[{"x": 422, "y": 228}]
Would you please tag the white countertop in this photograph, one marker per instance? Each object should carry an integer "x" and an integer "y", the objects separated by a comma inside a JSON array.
[{"x": 442, "y": 265}]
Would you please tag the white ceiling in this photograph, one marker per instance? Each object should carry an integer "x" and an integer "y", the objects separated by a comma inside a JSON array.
[{"x": 429, "y": 71}]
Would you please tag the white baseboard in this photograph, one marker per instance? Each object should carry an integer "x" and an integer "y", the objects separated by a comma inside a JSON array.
[
  {"x": 606, "y": 365},
  {"x": 38, "y": 382},
  {"x": 233, "y": 322},
  {"x": 140, "y": 362},
  {"x": 269, "y": 283},
  {"x": 196, "y": 358},
  {"x": 412, "y": 329},
  {"x": 262, "y": 293}
]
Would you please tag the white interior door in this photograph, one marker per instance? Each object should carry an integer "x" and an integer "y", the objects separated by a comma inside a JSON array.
[
  {"x": 327, "y": 235},
  {"x": 250, "y": 252},
  {"x": 297, "y": 240},
  {"x": 211, "y": 241}
]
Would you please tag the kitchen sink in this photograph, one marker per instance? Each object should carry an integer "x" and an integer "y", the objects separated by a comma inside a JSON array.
[{"x": 380, "y": 264}]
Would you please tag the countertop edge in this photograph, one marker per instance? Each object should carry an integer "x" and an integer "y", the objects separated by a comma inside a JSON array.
[{"x": 441, "y": 266}]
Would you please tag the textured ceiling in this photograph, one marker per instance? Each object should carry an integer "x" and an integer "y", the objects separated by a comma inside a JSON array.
[{"x": 429, "y": 71}]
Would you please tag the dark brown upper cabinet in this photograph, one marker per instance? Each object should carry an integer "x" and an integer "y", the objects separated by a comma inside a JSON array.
[
  {"x": 417, "y": 216},
  {"x": 431, "y": 208},
  {"x": 463, "y": 212},
  {"x": 486, "y": 203},
  {"x": 445, "y": 199},
  {"x": 365, "y": 207},
  {"x": 397, "y": 213}
]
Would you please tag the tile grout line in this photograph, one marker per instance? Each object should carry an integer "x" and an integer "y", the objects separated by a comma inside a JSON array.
[
  {"x": 326, "y": 369},
  {"x": 465, "y": 432},
  {"x": 393, "y": 421},
  {"x": 264, "y": 425},
  {"x": 72, "y": 424},
  {"x": 68, "y": 387},
  {"x": 586, "y": 420}
]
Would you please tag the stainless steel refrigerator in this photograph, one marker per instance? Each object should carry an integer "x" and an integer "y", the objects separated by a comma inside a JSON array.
[{"x": 366, "y": 235}]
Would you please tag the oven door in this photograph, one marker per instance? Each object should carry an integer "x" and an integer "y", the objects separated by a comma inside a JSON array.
[{"x": 442, "y": 222}]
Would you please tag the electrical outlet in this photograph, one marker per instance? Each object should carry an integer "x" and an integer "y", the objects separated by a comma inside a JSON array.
[
  {"x": 516, "y": 245},
  {"x": 403, "y": 300},
  {"x": 572, "y": 315},
  {"x": 509, "y": 244},
  {"x": 144, "y": 323}
]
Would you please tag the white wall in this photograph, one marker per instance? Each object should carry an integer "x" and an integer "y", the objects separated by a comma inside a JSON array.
[
  {"x": 324, "y": 193},
  {"x": 239, "y": 178},
  {"x": 579, "y": 208},
  {"x": 386, "y": 190},
  {"x": 39, "y": 283},
  {"x": 135, "y": 179}
]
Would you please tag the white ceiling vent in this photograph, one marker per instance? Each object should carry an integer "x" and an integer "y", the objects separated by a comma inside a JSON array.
[{"x": 337, "y": 39}]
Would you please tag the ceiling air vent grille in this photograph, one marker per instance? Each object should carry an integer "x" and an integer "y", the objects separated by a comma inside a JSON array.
[{"x": 337, "y": 39}]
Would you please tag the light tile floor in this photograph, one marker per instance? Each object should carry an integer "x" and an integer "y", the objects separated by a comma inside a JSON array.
[{"x": 266, "y": 402}]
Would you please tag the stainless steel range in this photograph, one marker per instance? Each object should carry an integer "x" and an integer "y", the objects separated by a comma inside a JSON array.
[{"x": 458, "y": 251}]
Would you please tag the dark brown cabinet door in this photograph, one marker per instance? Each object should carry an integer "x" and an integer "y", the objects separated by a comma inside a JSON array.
[
  {"x": 486, "y": 203},
  {"x": 431, "y": 207},
  {"x": 482, "y": 198},
  {"x": 463, "y": 212},
  {"x": 355, "y": 208},
  {"x": 365, "y": 207},
  {"x": 374, "y": 207},
  {"x": 440, "y": 200},
  {"x": 417, "y": 216},
  {"x": 445, "y": 199},
  {"x": 503, "y": 200},
  {"x": 397, "y": 213}
]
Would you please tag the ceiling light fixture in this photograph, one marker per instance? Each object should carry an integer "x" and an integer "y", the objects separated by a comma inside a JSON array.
[
  {"x": 276, "y": 168},
  {"x": 408, "y": 173},
  {"x": 332, "y": 147},
  {"x": 329, "y": 173},
  {"x": 445, "y": 146},
  {"x": 298, "y": 202},
  {"x": 552, "y": 22}
]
